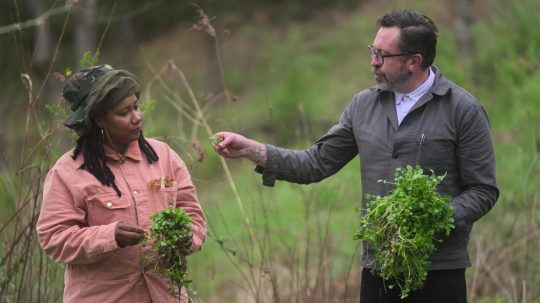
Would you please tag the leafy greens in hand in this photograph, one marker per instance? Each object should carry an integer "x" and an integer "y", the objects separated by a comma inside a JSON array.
[{"x": 402, "y": 227}]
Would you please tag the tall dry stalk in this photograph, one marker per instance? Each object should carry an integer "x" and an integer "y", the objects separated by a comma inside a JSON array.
[
  {"x": 22, "y": 262},
  {"x": 21, "y": 252},
  {"x": 314, "y": 280},
  {"x": 196, "y": 116}
]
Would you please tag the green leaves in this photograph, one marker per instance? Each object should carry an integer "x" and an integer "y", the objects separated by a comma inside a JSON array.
[
  {"x": 401, "y": 227},
  {"x": 148, "y": 106},
  {"x": 215, "y": 138},
  {"x": 88, "y": 59},
  {"x": 169, "y": 227}
]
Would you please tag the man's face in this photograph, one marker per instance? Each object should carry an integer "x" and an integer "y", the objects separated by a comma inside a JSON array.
[{"x": 391, "y": 73}]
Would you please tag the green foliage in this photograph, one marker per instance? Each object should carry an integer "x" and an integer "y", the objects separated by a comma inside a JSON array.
[
  {"x": 88, "y": 59},
  {"x": 402, "y": 227},
  {"x": 68, "y": 72},
  {"x": 301, "y": 80},
  {"x": 506, "y": 63},
  {"x": 169, "y": 227},
  {"x": 302, "y": 227},
  {"x": 215, "y": 138},
  {"x": 148, "y": 106}
]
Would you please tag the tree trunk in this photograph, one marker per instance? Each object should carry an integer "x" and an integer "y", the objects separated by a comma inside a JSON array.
[
  {"x": 128, "y": 36},
  {"x": 42, "y": 36},
  {"x": 85, "y": 30},
  {"x": 463, "y": 25}
]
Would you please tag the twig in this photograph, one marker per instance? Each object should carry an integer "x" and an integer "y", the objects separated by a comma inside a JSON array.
[
  {"x": 222, "y": 160},
  {"x": 36, "y": 21},
  {"x": 532, "y": 213},
  {"x": 189, "y": 113},
  {"x": 206, "y": 26},
  {"x": 53, "y": 60},
  {"x": 106, "y": 29}
]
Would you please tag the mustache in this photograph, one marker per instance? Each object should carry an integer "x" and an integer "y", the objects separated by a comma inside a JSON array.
[{"x": 378, "y": 73}]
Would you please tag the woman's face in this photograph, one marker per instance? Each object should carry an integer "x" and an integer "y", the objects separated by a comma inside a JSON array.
[{"x": 123, "y": 123}]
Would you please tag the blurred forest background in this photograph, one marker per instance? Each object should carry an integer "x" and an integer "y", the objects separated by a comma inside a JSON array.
[{"x": 280, "y": 72}]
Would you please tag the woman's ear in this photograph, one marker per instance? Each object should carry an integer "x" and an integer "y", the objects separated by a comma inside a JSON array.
[{"x": 99, "y": 122}]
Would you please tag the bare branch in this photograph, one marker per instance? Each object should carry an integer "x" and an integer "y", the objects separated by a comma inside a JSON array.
[{"x": 36, "y": 21}]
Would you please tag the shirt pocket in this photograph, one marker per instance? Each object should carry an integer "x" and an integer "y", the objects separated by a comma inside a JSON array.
[
  {"x": 436, "y": 155},
  {"x": 164, "y": 197},
  {"x": 105, "y": 208}
]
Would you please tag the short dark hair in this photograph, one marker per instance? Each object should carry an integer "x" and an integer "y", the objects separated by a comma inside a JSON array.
[{"x": 418, "y": 33}]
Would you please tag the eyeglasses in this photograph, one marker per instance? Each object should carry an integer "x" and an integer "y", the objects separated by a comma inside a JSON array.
[{"x": 379, "y": 57}]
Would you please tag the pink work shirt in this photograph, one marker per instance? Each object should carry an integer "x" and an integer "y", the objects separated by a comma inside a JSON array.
[{"x": 79, "y": 215}]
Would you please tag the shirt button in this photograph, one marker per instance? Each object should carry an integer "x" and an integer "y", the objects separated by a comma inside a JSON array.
[
  {"x": 135, "y": 192},
  {"x": 109, "y": 204},
  {"x": 395, "y": 156}
]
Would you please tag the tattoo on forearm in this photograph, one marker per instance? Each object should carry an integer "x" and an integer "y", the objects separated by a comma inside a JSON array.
[{"x": 258, "y": 155}]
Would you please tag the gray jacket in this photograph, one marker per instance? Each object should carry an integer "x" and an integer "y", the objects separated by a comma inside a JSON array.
[{"x": 447, "y": 131}]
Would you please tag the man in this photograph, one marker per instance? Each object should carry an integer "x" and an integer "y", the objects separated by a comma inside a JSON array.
[{"x": 414, "y": 116}]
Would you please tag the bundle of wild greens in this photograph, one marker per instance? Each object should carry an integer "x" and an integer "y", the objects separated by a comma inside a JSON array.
[
  {"x": 402, "y": 226},
  {"x": 168, "y": 228}
]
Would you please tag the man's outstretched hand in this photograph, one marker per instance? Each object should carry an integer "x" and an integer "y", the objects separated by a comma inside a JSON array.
[{"x": 232, "y": 145}]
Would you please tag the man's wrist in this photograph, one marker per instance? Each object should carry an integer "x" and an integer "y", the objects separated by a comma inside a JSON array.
[{"x": 257, "y": 154}]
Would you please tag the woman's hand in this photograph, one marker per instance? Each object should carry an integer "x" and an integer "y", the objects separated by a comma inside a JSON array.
[
  {"x": 184, "y": 244},
  {"x": 127, "y": 234}
]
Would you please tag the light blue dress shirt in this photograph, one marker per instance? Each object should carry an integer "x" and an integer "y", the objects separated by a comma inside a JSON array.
[{"x": 405, "y": 101}]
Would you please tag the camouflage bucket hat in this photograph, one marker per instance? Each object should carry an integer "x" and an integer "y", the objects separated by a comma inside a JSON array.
[{"x": 93, "y": 91}]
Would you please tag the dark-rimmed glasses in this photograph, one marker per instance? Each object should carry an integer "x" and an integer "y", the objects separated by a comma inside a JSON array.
[{"x": 379, "y": 57}]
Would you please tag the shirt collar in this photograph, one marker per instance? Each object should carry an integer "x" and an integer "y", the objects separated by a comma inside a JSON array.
[
  {"x": 133, "y": 151},
  {"x": 416, "y": 94}
]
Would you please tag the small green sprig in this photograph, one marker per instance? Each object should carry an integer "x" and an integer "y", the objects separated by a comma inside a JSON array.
[
  {"x": 216, "y": 138},
  {"x": 169, "y": 227},
  {"x": 402, "y": 227}
]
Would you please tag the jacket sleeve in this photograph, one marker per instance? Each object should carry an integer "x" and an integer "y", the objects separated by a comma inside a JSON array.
[
  {"x": 62, "y": 230},
  {"x": 188, "y": 202},
  {"x": 476, "y": 162},
  {"x": 323, "y": 159}
]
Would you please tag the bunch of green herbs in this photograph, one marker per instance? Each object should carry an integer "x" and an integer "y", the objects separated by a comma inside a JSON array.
[
  {"x": 403, "y": 226},
  {"x": 169, "y": 227}
]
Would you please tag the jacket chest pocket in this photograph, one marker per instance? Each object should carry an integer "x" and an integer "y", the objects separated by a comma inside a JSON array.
[
  {"x": 164, "y": 197},
  {"x": 107, "y": 208},
  {"x": 437, "y": 155}
]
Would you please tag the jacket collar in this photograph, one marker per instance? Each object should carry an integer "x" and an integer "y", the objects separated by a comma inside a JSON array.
[
  {"x": 133, "y": 151},
  {"x": 440, "y": 87}
]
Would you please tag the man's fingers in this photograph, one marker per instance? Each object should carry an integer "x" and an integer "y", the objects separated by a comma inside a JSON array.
[{"x": 225, "y": 139}]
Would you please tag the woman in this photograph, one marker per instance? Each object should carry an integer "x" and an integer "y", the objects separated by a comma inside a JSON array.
[{"x": 98, "y": 197}]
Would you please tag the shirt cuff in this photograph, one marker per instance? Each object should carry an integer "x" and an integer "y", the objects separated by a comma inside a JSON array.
[
  {"x": 197, "y": 240},
  {"x": 105, "y": 241},
  {"x": 268, "y": 173},
  {"x": 109, "y": 238}
]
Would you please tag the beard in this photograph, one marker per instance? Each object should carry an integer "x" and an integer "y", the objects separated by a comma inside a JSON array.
[{"x": 390, "y": 83}]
